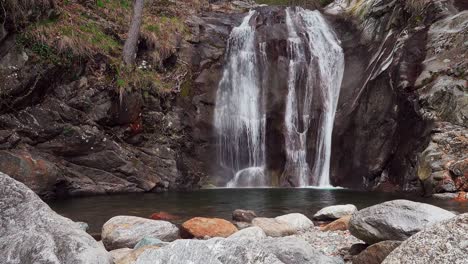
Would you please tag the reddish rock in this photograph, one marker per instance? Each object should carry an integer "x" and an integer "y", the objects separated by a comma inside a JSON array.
[
  {"x": 200, "y": 227},
  {"x": 461, "y": 197},
  {"x": 376, "y": 253},
  {"x": 163, "y": 216},
  {"x": 339, "y": 224}
]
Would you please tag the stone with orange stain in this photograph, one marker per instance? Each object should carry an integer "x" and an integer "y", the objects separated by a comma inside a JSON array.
[
  {"x": 339, "y": 224},
  {"x": 200, "y": 227},
  {"x": 461, "y": 197},
  {"x": 163, "y": 216}
]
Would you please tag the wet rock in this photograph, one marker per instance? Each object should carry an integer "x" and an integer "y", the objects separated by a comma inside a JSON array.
[
  {"x": 376, "y": 253},
  {"x": 83, "y": 226},
  {"x": 273, "y": 227},
  {"x": 286, "y": 250},
  {"x": 298, "y": 221},
  {"x": 240, "y": 215},
  {"x": 445, "y": 196},
  {"x": 33, "y": 233},
  {"x": 444, "y": 243},
  {"x": 335, "y": 212},
  {"x": 200, "y": 227},
  {"x": 253, "y": 232},
  {"x": 394, "y": 220},
  {"x": 163, "y": 216},
  {"x": 339, "y": 224},
  {"x": 355, "y": 249},
  {"x": 127, "y": 231}
]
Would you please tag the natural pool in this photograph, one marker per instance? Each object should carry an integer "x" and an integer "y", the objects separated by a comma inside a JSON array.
[{"x": 220, "y": 203}]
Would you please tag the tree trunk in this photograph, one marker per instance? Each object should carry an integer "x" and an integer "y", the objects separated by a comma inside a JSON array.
[{"x": 130, "y": 47}]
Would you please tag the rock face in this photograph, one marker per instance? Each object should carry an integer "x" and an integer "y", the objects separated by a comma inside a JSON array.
[
  {"x": 33, "y": 233},
  {"x": 298, "y": 221},
  {"x": 395, "y": 220},
  {"x": 376, "y": 253},
  {"x": 335, "y": 212},
  {"x": 443, "y": 243},
  {"x": 273, "y": 227},
  {"x": 234, "y": 251},
  {"x": 127, "y": 231},
  {"x": 200, "y": 227}
]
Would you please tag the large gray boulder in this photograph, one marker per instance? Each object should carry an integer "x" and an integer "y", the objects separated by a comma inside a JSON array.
[
  {"x": 298, "y": 221},
  {"x": 394, "y": 220},
  {"x": 335, "y": 212},
  {"x": 127, "y": 231},
  {"x": 443, "y": 243},
  {"x": 274, "y": 227},
  {"x": 287, "y": 250},
  {"x": 32, "y": 233}
]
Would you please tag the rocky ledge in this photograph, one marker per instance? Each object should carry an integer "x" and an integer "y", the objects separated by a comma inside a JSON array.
[{"x": 395, "y": 232}]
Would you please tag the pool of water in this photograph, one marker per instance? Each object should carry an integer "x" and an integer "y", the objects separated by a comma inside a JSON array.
[{"x": 220, "y": 203}]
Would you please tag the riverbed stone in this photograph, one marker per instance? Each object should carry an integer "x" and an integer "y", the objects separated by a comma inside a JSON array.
[
  {"x": 335, "y": 212},
  {"x": 395, "y": 220},
  {"x": 443, "y": 243},
  {"x": 254, "y": 232},
  {"x": 127, "y": 231},
  {"x": 240, "y": 215},
  {"x": 31, "y": 232},
  {"x": 274, "y": 227},
  {"x": 339, "y": 224},
  {"x": 287, "y": 250},
  {"x": 150, "y": 241},
  {"x": 118, "y": 254},
  {"x": 298, "y": 221},
  {"x": 376, "y": 253},
  {"x": 201, "y": 227}
]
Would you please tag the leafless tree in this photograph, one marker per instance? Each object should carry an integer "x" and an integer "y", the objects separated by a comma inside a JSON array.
[{"x": 130, "y": 47}]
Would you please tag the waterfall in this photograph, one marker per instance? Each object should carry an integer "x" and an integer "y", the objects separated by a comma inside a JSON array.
[
  {"x": 316, "y": 68},
  {"x": 315, "y": 72},
  {"x": 239, "y": 114}
]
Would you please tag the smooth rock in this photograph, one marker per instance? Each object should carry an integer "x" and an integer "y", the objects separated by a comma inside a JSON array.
[
  {"x": 335, "y": 212},
  {"x": 118, "y": 254},
  {"x": 32, "y": 233},
  {"x": 240, "y": 215},
  {"x": 355, "y": 249},
  {"x": 445, "y": 196},
  {"x": 249, "y": 232},
  {"x": 339, "y": 224},
  {"x": 150, "y": 241},
  {"x": 200, "y": 227},
  {"x": 443, "y": 243},
  {"x": 288, "y": 250},
  {"x": 394, "y": 220},
  {"x": 376, "y": 253},
  {"x": 273, "y": 227},
  {"x": 163, "y": 216},
  {"x": 127, "y": 231},
  {"x": 83, "y": 226},
  {"x": 298, "y": 221}
]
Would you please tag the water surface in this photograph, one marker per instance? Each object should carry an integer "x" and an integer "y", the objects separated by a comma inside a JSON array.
[{"x": 220, "y": 203}]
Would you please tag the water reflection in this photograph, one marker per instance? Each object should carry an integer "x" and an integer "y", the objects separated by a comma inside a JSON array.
[{"x": 221, "y": 202}]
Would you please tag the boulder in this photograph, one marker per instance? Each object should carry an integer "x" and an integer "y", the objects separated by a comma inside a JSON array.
[
  {"x": 442, "y": 243},
  {"x": 335, "y": 212},
  {"x": 376, "y": 253},
  {"x": 339, "y": 224},
  {"x": 127, "y": 231},
  {"x": 274, "y": 227},
  {"x": 355, "y": 249},
  {"x": 163, "y": 216},
  {"x": 200, "y": 227},
  {"x": 250, "y": 232},
  {"x": 118, "y": 254},
  {"x": 32, "y": 233},
  {"x": 288, "y": 250},
  {"x": 246, "y": 216},
  {"x": 394, "y": 220},
  {"x": 298, "y": 221},
  {"x": 150, "y": 241}
]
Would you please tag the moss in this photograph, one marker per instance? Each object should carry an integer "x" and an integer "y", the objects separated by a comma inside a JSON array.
[{"x": 185, "y": 88}]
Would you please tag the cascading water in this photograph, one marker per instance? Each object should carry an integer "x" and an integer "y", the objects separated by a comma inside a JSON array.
[
  {"x": 239, "y": 115},
  {"x": 320, "y": 72},
  {"x": 315, "y": 70}
]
